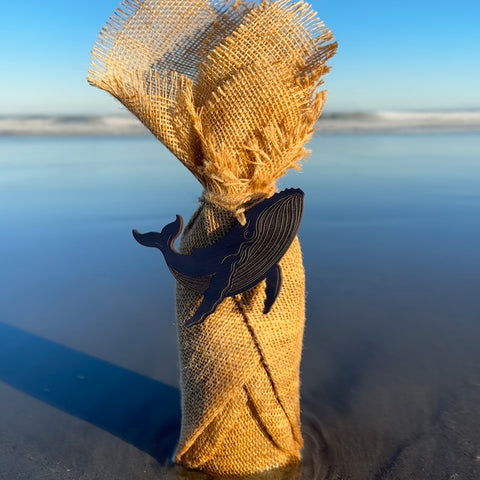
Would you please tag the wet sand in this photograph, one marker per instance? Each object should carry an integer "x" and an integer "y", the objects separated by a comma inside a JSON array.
[
  {"x": 372, "y": 408},
  {"x": 391, "y": 363}
]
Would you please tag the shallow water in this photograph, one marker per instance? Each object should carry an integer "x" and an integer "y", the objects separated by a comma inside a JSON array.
[{"x": 391, "y": 365}]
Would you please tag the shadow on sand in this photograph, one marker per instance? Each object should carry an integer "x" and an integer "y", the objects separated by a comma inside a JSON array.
[{"x": 137, "y": 409}]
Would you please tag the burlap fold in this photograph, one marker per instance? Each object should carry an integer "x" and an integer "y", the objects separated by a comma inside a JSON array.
[{"x": 231, "y": 89}]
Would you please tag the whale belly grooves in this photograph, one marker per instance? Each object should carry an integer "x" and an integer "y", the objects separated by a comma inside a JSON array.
[{"x": 276, "y": 227}]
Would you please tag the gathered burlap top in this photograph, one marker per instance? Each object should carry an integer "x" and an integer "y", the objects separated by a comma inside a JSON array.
[{"x": 231, "y": 88}]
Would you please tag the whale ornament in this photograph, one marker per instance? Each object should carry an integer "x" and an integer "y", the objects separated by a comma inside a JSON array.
[{"x": 241, "y": 259}]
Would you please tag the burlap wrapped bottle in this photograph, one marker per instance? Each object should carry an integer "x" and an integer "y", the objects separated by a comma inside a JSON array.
[{"x": 231, "y": 90}]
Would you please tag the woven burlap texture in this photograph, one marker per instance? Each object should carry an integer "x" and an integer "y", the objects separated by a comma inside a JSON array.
[{"x": 232, "y": 90}]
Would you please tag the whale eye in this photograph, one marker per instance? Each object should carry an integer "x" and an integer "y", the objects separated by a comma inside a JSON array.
[{"x": 249, "y": 234}]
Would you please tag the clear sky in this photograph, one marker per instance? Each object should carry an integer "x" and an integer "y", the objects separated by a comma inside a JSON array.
[{"x": 413, "y": 54}]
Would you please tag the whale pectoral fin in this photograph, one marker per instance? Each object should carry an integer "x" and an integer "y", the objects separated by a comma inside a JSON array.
[
  {"x": 274, "y": 282},
  {"x": 212, "y": 297}
]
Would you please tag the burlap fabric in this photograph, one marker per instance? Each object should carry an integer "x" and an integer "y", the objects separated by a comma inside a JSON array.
[{"x": 231, "y": 90}]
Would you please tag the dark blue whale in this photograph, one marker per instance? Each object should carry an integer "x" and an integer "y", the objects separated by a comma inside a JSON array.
[{"x": 242, "y": 258}]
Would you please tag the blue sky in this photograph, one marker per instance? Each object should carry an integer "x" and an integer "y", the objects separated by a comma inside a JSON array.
[{"x": 419, "y": 54}]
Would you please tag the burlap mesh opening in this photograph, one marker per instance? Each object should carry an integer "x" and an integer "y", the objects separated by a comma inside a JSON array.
[{"x": 231, "y": 89}]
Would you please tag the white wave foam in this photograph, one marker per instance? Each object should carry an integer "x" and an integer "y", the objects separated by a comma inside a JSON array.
[
  {"x": 74, "y": 125},
  {"x": 401, "y": 121},
  {"x": 350, "y": 122}
]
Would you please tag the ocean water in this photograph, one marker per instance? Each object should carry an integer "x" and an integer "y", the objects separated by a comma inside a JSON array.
[{"x": 391, "y": 364}]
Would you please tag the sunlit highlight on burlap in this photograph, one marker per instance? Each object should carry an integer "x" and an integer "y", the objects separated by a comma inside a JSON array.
[{"x": 231, "y": 90}]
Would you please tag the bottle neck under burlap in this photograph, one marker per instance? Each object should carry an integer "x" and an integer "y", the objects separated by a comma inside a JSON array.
[{"x": 240, "y": 368}]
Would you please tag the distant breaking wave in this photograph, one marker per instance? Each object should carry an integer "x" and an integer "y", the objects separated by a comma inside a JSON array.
[
  {"x": 400, "y": 122},
  {"x": 113, "y": 125},
  {"x": 353, "y": 122}
]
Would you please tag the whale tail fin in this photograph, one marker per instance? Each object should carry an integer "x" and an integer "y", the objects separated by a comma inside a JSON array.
[
  {"x": 161, "y": 240},
  {"x": 150, "y": 239}
]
